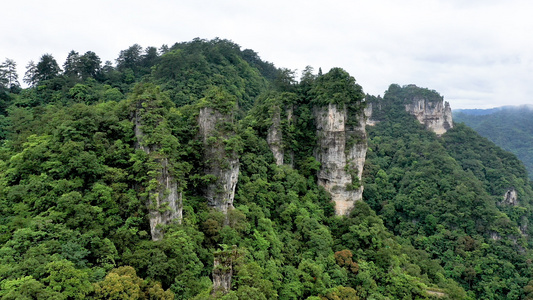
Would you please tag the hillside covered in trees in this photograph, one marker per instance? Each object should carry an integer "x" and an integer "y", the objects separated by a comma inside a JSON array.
[
  {"x": 200, "y": 171},
  {"x": 509, "y": 127}
]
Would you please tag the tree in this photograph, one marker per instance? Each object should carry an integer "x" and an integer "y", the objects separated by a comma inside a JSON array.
[
  {"x": 130, "y": 58},
  {"x": 23, "y": 288},
  {"x": 123, "y": 283},
  {"x": 47, "y": 68},
  {"x": 71, "y": 66},
  {"x": 120, "y": 283},
  {"x": 149, "y": 57},
  {"x": 65, "y": 279},
  {"x": 338, "y": 87},
  {"x": 90, "y": 65},
  {"x": 8, "y": 74},
  {"x": 30, "y": 77}
]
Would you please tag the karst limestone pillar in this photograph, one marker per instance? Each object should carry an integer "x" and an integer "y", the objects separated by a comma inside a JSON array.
[
  {"x": 275, "y": 137},
  {"x": 165, "y": 198},
  {"x": 341, "y": 152},
  {"x": 220, "y": 162}
]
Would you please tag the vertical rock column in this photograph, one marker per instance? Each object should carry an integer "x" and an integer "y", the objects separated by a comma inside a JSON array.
[
  {"x": 222, "y": 273},
  {"x": 221, "y": 164},
  {"x": 341, "y": 152},
  {"x": 165, "y": 200},
  {"x": 223, "y": 264},
  {"x": 274, "y": 137},
  {"x": 290, "y": 120}
]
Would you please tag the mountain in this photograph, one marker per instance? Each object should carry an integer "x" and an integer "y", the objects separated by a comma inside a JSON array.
[
  {"x": 199, "y": 171},
  {"x": 509, "y": 127}
]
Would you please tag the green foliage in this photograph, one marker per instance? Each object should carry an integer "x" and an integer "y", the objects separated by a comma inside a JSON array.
[
  {"x": 83, "y": 149},
  {"x": 336, "y": 87},
  {"x": 444, "y": 195},
  {"x": 123, "y": 283},
  {"x": 190, "y": 69},
  {"x": 509, "y": 128}
]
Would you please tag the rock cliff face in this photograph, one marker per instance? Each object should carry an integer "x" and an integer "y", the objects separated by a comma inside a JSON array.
[
  {"x": 368, "y": 115},
  {"x": 165, "y": 201},
  {"x": 341, "y": 152},
  {"x": 222, "y": 165},
  {"x": 274, "y": 137},
  {"x": 435, "y": 115},
  {"x": 223, "y": 261},
  {"x": 510, "y": 197}
]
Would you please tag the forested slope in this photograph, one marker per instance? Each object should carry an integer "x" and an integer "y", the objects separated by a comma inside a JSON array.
[
  {"x": 95, "y": 157},
  {"x": 511, "y": 128},
  {"x": 446, "y": 195}
]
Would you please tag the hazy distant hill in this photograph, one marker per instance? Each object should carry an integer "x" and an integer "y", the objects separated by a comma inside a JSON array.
[
  {"x": 478, "y": 111},
  {"x": 510, "y": 127}
]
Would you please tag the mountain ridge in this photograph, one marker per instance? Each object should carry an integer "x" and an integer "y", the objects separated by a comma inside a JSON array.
[{"x": 240, "y": 162}]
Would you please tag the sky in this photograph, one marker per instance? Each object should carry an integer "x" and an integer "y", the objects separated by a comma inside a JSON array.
[{"x": 475, "y": 53}]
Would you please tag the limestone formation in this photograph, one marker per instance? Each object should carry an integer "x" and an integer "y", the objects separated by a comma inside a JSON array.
[
  {"x": 341, "y": 152},
  {"x": 165, "y": 200},
  {"x": 368, "y": 115},
  {"x": 524, "y": 225},
  {"x": 274, "y": 137},
  {"x": 510, "y": 197},
  {"x": 223, "y": 270},
  {"x": 221, "y": 164},
  {"x": 435, "y": 115}
]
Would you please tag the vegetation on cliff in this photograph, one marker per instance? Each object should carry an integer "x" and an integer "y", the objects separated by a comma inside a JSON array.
[{"x": 74, "y": 187}]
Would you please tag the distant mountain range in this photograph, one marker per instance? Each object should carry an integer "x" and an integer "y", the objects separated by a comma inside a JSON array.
[
  {"x": 488, "y": 111},
  {"x": 510, "y": 127}
]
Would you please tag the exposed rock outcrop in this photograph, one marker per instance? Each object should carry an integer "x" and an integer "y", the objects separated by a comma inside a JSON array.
[
  {"x": 274, "y": 137},
  {"x": 341, "y": 152},
  {"x": 524, "y": 223},
  {"x": 222, "y": 275},
  {"x": 368, "y": 115},
  {"x": 495, "y": 236},
  {"x": 435, "y": 115},
  {"x": 164, "y": 200},
  {"x": 223, "y": 270},
  {"x": 510, "y": 197},
  {"x": 222, "y": 164}
]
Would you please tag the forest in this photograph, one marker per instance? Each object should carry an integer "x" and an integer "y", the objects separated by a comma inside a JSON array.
[
  {"x": 158, "y": 177},
  {"x": 509, "y": 127}
]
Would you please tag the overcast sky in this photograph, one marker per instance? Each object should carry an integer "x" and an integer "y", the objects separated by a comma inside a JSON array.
[{"x": 476, "y": 53}]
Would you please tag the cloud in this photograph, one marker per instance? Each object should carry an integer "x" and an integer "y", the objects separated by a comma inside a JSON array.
[{"x": 475, "y": 53}]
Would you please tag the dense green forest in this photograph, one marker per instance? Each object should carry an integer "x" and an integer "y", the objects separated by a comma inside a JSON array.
[
  {"x": 85, "y": 147},
  {"x": 511, "y": 128}
]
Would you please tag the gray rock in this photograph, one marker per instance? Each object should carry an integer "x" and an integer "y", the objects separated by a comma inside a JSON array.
[{"x": 341, "y": 152}]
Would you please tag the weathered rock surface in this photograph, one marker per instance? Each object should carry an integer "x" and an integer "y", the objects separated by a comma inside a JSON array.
[
  {"x": 223, "y": 270},
  {"x": 165, "y": 201},
  {"x": 275, "y": 136},
  {"x": 435, "y": 115},
  {"x": 368, "y": 115},
  {"x": 222, "y": 276},
  {"x": 510, "y": 197},
  {"x": 341, "y": 152},
  {"x": 224, "y": 166}
]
